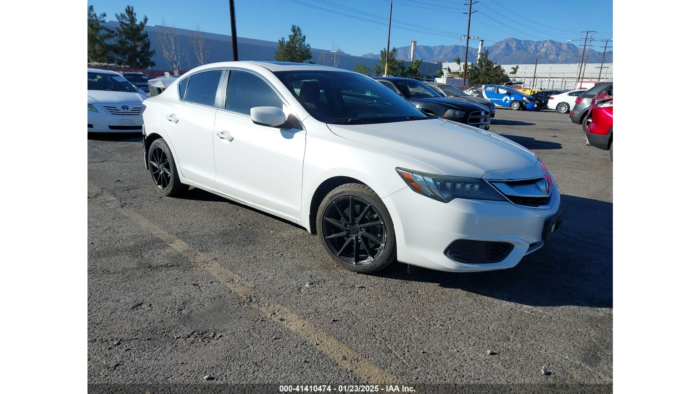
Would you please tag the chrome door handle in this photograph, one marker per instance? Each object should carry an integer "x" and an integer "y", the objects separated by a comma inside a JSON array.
[
  {"x": 172, "y": 118},
  {"x": 224, "y": 135}
]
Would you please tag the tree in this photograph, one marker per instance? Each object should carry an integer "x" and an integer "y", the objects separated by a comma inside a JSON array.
[
  {"x": 295, "y": 50},
  {"x": 362, "y": 69},
  {"x": 413, "y": 70},
  {"x": 486, "y": 72},
  {"x": 439, "y": 71},
  {"x": 321, "y": 59},
  {"x": 514, "y": 70},
  {"x": 169, "y": 42},
  {"x": 335, "y": 58},
  {"x": 396, "y": 67},
  {"x": 133, "y": 48},
  {"x": 98, "y": 49},
  {"x": 200, "y": 47}
]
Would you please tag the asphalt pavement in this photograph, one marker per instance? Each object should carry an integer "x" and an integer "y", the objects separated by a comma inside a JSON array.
[{"x": 201, "y": 290}]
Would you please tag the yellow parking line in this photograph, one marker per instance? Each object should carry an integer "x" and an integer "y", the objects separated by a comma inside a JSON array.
[{"x": 341, "y": 354}]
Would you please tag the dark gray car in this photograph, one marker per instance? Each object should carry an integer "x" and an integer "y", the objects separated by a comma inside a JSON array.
[
  {"x": 583, "y": 103},
  {"x": 452, "y": 92}
]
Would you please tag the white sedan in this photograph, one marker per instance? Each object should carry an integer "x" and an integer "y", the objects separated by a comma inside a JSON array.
[
  {"x": 114, "y": 104},
  {"x": 565, "y": 101},
  {"x": 347, "y": 158}
]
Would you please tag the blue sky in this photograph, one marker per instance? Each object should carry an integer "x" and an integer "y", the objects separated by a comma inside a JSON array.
[{"x": 354, "y": 27}]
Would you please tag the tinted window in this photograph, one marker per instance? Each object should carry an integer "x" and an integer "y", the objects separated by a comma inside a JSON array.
[
  {"x": 246, "y": 90},
  {"x": 111, "y": 82},
  {"x": 202, "y": 88},
  {"x": 347, "y": 98},
  {"x": 452, "y": 91},
  {"x": 388, "y": 85},
  {"x": 136, "y": 77},
  {"x": 415, "y": 89},
  {"x": 182, "y": 87}
]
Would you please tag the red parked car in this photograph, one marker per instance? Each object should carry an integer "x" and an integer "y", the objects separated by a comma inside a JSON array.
[{"x": 599, "y": 128}]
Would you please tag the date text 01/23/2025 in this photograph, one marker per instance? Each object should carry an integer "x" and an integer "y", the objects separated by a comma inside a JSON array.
[{"x": 343, "y": 388}]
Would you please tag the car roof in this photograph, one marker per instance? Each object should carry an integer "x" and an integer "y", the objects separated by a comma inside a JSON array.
[
  {"x": 97, "y": 70},
  {"x": 397, "y": 79},
  {"x": 273, "y": 66}
]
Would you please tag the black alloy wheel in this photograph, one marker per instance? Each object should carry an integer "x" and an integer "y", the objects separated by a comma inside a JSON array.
[
  {"x": 356, "y": 229},
  {"x": 163, "y": 170},
  {"x": 160, "y": 168}
]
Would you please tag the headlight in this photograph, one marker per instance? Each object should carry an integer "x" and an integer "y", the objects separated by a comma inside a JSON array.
[
  {"x": 454, "y": 114},
  {"x": 92, "y": 108},
  {"x": 446, "y": 188},
  {"x": 525, "y": 99}
]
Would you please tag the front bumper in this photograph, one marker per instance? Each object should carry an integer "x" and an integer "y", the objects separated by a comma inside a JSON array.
[
  {"x": 99, "y": 122},
  {"x": 532, "y": 106},
  {"x": 425, "y": 228}
]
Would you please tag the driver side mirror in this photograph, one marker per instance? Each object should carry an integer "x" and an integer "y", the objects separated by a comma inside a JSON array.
[{"x": 268, "y": 116}]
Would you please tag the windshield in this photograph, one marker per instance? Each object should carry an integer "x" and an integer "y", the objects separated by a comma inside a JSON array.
[
  {"x": 347, "y": 98},
  {"x": 451, "y": 91},
  {"x": 136, "y": 77},
  {"x": 103, "y": 81}
]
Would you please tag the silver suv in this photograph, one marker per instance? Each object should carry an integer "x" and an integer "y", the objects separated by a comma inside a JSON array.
[{"x": 583, "y": 103}]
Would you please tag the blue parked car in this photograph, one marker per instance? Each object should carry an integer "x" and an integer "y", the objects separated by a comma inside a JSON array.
[{"x": 505, "y": 97}]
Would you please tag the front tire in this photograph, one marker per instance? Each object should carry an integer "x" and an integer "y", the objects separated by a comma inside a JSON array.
[
  {"x": 356, "y": 230},
  {"x": 563, "y": 108},
  {"x": 515, "y": 105},
  {"x": 163, "y": 170}
]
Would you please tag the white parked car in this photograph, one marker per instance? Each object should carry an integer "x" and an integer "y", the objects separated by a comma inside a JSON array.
[
  {"x": 114, "y": 104},
  {"x": 347, "y": 158},
  {"x": 565, "y": 101}
]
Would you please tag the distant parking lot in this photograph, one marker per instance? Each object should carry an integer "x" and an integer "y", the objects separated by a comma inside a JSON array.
[{"x": 198, "y": 289}]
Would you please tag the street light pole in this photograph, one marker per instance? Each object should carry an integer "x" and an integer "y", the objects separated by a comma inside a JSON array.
[
  {"x": 234, "y": 36},
  {"x": 388, "y": 37}
]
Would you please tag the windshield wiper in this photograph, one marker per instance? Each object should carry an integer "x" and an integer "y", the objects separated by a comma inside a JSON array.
[{"x": 357, "y": 121}]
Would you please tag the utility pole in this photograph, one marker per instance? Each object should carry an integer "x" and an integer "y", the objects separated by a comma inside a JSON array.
[
  {"x": 466, "y": 51},
  {"x": 585, "y": 41},
  {"x": 234, "y": 36},
  {"x": 583, "y": 74},
  {"x": 603, "y": 61},
  {"x": 534, "y": 75},
  {"x": 388, "y": 37}
]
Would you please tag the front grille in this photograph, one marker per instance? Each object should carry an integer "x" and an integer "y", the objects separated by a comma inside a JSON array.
[
  {"x": 478, "y": 252},
  {"x": 118, "y": 110},
  {"x": 529, "y": 193},
  {"x": 530, "y": 201},
  {"x": 476, "y": 118}
]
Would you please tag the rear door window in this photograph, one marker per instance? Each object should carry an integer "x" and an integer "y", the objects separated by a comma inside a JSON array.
[{"x": 202, "y": 88}]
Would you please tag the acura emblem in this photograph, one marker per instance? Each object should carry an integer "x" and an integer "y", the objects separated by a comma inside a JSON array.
[{"x": 125, "y": 107}]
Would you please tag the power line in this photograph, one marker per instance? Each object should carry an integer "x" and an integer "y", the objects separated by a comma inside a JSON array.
[
  {"x": 512, "y": 28},
  {"x": 423, "y": 31},
  {"x": 530, "y": 20},
  {"x": 379, "y": 16},
  {"x": 512, "y": 20}
]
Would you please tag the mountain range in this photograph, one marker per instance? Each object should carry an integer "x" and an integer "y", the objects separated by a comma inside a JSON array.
[{"x": 507, "y": 51}]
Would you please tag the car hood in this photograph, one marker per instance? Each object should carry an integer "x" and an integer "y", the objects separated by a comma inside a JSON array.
[
  {"x": 111, "y": 97},
  {"x": 452, "y": 148},
  {"x": 473, "y": 99},
  {"x": 457, "y": 104}
]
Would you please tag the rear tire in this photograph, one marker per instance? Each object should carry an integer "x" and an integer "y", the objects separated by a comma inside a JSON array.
[
  {"x": 356, "y": 230},
  {"x": 612, "y": 151},
  {"x": 563, "y": 108},
  {"x": 163, "y": 170},
  {"x": 515, "y": 105},
  {"x": 586, "y": 121},
  {"x": 611, "y": 145}
]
